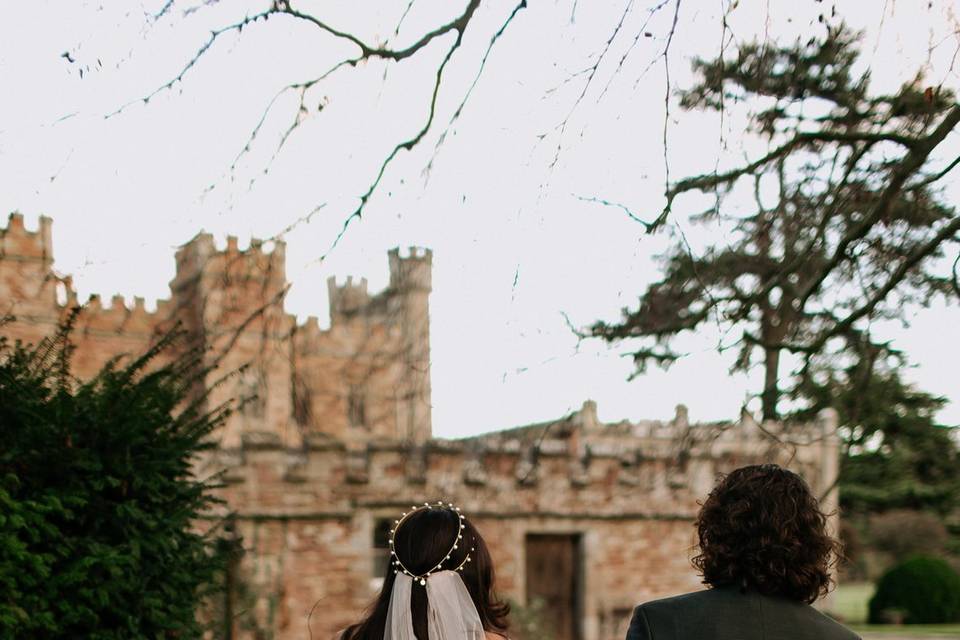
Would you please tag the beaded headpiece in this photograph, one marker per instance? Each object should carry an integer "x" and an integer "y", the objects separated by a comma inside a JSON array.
[{"x": 422, "y": 578}]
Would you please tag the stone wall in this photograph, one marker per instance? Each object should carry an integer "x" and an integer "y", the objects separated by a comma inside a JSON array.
[{"x": 308, "y": 517}]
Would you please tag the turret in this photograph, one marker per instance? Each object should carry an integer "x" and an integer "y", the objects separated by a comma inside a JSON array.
[
  {"x": 410, "y": 286},
  {"x": 16, "y": 241},
  {"x": 347, "y": 300},
  {"x": 231, "y": 301},
  {"x": 229, "y": 287},
  {"x": 413, "y": 272},
  {"x": 26, "y": 268}
]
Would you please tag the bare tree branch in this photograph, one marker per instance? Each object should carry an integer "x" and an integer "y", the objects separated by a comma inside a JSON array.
[
  {"x": 456, "y": 26},
  {"x": 710, "y": 181},
  {"x": 955, "y": 279},
  {"x": 841, "y": 326},
  {"x": 476, "y": 78},
  {"x": 666, "y": 96},
  {"x": 403, "y": 17},
  {"x": 214, "y": 35},
  {"x": 931, "y": 179},
  {"x": 640, "y": 33},
  {"x": 591, "y": 72},
  {"x": 302, "y": 87},
  {"x": 405, "y": 145},
  {"x": 606, "y": 203}
]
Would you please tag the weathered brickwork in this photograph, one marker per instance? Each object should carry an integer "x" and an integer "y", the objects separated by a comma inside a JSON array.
[{"x": 334, "y": 438}]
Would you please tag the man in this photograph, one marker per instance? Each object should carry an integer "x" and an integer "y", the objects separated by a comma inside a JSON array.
[{"x": 765, "y": 555}]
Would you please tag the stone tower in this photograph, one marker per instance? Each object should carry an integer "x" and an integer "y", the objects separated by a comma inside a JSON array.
[
  {"x": 411, "y": 284},
  {"x": 26, "y": 274},
  {"x": 231, "y": 302}
]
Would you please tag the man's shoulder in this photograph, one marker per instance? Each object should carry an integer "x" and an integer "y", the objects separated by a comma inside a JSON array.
[
  {"x": 790, "y": 612},
  {"x": 830, "y": 627},
  {"x": 678, "y": 616},
  {"x": 692, "y": 599},
  {"x": 733, "y": 604}
]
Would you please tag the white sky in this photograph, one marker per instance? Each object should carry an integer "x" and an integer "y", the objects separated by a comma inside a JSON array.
[{"x": 514, "y": 247}]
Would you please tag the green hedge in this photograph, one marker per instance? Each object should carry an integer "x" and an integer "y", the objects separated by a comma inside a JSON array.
[
  {"x": 97, "y": 502},
  {"x": 923, "y": 589}
]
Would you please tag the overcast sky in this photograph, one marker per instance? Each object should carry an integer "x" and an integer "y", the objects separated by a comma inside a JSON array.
[{"x": 515, "y": 246}]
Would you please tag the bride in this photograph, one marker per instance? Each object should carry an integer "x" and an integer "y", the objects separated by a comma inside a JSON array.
[{"x": 439, "y": 585}]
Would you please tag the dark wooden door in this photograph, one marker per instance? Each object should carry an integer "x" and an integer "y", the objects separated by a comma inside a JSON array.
[{"x": 553, "y": 580}]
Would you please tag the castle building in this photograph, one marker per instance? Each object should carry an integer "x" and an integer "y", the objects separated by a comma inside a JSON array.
[{"x": 334, "y": 439}]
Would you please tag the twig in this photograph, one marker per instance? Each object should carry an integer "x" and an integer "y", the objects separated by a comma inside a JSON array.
[{"x": 646, "y": 225}]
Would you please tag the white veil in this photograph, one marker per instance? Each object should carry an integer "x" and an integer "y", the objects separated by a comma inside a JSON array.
[{"x": 451, "y": 614}]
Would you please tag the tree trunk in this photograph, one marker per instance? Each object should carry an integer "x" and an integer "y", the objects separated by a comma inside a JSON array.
[
  {"x": 771, "y": 386},
  {"x": 770, "y": 329}
]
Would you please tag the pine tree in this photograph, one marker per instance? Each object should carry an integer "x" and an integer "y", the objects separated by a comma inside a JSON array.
[
  {"x": 842, "y": 225},
  {"x": 897, "y": 455}
]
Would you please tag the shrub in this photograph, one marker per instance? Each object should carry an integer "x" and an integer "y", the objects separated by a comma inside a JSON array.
[
  {"x": 851, "y": 564},
  {"x": 98, "y": 505},
  {"x": 903, "y": 533},
  {"x": 923, "y": 590}
]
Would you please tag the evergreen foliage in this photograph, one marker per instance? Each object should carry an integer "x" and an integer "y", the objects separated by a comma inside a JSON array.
[
  {"x": 925, "y": 590},
  {"x": 837, "y": 225},
  {"x": 98, "y": 506}
]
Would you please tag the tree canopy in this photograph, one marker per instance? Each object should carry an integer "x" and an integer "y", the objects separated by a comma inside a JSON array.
[{"x": 837, "y": 224}]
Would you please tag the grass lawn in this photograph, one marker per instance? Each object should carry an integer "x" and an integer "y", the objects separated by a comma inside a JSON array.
[
  {"x": 850, "y": 602},
  {"x": 908, "y": 631},
  {"x": 850, "y": 605}
]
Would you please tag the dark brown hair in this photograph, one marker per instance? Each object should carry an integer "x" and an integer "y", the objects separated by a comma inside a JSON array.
[
  {"x": 421, "y": 542},
  {"x": 761, "y": 528}
]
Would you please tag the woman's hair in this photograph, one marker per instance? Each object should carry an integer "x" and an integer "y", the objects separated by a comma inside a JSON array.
[
  {"x": 761, "y": 528},
  {"x": 421, "y": 542}
]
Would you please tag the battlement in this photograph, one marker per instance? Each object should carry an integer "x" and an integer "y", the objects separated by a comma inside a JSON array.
[
  {"x": 122, "y": 316},
  {"x": 664, "y": 436},
  {"x": 348, "y": 299},
  {"x": 352, "y": 380},
  {"x": 411, "y": 272},
  {"x": 630, "y": 508},
  {"x": 310, "y": 330},
  {"x": 581, "y": 467},
  {"x": 17, "y": 242},
  {"x": 201, "y": 256}
]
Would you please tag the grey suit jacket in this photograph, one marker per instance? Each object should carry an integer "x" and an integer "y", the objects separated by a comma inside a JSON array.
[{"x": 726, "y": 613}]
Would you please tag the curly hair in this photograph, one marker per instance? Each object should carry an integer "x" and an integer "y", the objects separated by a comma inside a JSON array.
[{"x": 762, "y": 528}]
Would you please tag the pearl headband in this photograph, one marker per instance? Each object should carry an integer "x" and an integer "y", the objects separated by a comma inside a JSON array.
[{"x": 422, "y": 578}]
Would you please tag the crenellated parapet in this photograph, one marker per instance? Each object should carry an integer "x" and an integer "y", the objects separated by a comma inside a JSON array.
[
  {"x": 20, "y": 244},
  {"x": 627, "y": 492},
  {"x": 28, "y": 285},
  {"x": 604, "y": 474},
  {"x": 223, "y": 288},
  {"x": 351, "y": 380},
  {"x": 124, "y": 317},
  {"x": 202, "y": 256},
  {"x": 413, "y": 271},
  {"x": 348, "y": 300}
]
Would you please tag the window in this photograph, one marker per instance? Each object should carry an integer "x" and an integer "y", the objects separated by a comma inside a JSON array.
[
  {"x": 252, "y": 393},
  {"x": 357, "y": 407},
  {"x": 301, "y": 401}
]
